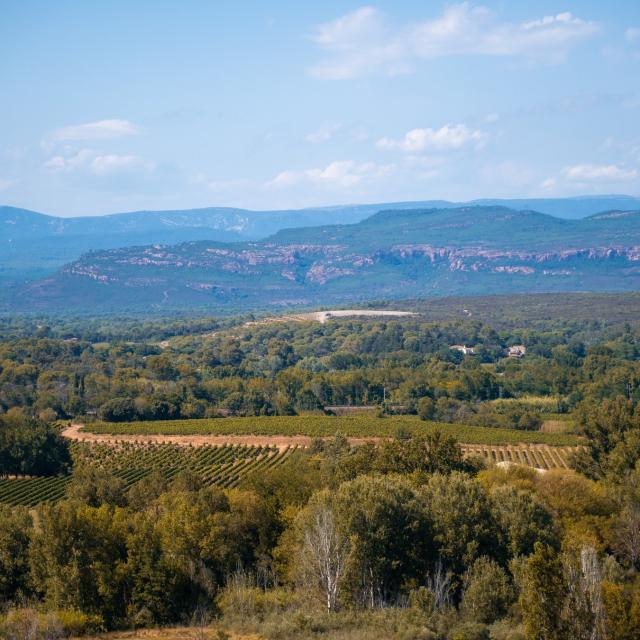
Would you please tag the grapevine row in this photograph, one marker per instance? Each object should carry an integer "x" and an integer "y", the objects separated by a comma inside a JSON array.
[{"x": 223, "y": 466}]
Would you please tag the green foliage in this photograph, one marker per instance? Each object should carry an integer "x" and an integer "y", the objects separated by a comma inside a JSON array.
[
  {"x": 78, "y": 556},
  {"x": 118, "y": 410},
  {"x": 426, "y": 408},
  {"x": 612, "y": 429},
  {"x": 542, "y": 593},
  {"x": 16, "y": 528},
  {"x": 461, "y": 514},
  {"x": 95, "y": 486},
  {"x": 390, "y": 533},
  {"x": 31, "y": 447},
  {"x": 524, "y": 520},
  {"x": 157, "y": 533},
  {"x": 487, "y": 591}
]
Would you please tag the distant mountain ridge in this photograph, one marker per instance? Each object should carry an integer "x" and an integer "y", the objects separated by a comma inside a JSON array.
[
  {"x": 470, "y": 250},
  {"x": 34, "y": 245}
]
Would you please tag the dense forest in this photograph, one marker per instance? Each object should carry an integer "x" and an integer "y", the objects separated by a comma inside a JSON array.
[{"x": 405, "y": 538}]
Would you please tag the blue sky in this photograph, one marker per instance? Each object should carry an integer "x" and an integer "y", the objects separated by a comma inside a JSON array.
[{"x": 115, "y": 106}]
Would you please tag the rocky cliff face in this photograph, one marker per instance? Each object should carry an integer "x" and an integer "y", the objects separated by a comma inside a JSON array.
[{"x": 343, "y": 264}]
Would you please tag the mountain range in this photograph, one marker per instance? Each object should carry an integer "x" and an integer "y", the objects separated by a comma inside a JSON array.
[
  {"x": 391, "y": 254},
  {"x": 34, "y": 245}
]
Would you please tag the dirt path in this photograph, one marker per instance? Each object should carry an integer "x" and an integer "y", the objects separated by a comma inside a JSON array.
[{"x": 73, "y": 432}]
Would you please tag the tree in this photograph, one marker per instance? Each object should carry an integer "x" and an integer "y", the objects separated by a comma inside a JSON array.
[
  {"x": 31, "y": 447},
  {"x": 584, "y": 610},
  {"x": 426, "y": 408},
  {"x": 95, "y": 486},
  {"x": 606, "y": 425},
  {"x": 462, "y": 519},
  {"x": 524, "y": 520},
  {"x": 487, "y": 591},
  {"x": 118, "y": 410},
  {"x": 16, "y": 527},
  {"x": 390, "y": 536},
  {"x": 157, "y": 591},
  {"x": 78, "y": 557},
  {"x": 324, "y": 550},
  {"x": 542, "y": 593}
]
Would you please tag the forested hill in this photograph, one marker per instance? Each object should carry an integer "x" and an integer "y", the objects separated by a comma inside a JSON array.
[
  {"x": 392, "y": 254},
  {"x": 34, "y": 245}
]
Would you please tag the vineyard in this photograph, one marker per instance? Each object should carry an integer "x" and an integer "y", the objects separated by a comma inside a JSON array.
[
  {"x": 226, "y": 466},
  {"x": 536, "y": 456},
  {"x": 221, "y": 466},
  {"x": 327, "y": 426}
]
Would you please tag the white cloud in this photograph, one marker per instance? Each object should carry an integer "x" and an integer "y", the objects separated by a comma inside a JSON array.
[
  {"x": 561, "y": 18},
  {"x": 5, "y": 184},
  {"x": 593, "y": 172},
  {"x": 340, "y": 174},
  {"x": 342, "y": 34},
  {"x": 99, "y": 130},
  {"x": 96, "y": 163},
  {"x": 69, "y": 160},
  {"x": 360, "y": 43},
  {"x": 448, "y": 137},
  {"x": 632, "y": 34},
  {"x": 113, "y": 163},
  {"x": 323, "y": 134}
]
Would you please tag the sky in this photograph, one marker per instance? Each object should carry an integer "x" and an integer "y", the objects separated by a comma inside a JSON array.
[{"x": 118, "y": 106}]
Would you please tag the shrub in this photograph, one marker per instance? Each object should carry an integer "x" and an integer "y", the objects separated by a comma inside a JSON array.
[
  {"x": 27, "y": 623},
  {"x": 470, "y": 631},
  {"x": 426, "y": 408},
  {"x": 487, "y": 592},
  {"x": 76, "y": 623}
]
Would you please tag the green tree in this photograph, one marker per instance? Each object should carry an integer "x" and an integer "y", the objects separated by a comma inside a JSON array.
[
  {"x": 95, "y": 486},
  {"x": 389, "y": 533},
  {"x": 542, "y": 594},
  {"x": 31, "y": 447},
  {"x": 523, "y": 520},
  {"x": 78, "y": 559},
  {"x": 487, "y": 591},
  {"x": 118, "y": 410},
  {"x": 16, "y": 528},
  {"x": 463, "y": 522},
  {"x": 426, "y": 408}
]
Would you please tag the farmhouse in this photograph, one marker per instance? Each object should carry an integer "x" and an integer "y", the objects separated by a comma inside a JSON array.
[{"x": 516, "y": 351}]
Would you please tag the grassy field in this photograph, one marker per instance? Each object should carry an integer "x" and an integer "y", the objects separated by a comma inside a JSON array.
[{"x": 327, "y": 426}]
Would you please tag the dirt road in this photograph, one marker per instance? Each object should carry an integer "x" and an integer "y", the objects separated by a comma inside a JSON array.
[{"x": 74, "y": 432}]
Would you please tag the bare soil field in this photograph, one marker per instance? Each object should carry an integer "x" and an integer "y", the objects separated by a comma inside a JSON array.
[{"x": 323, "y": 316}]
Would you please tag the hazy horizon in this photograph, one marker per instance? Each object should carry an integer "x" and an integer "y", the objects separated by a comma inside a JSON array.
[{"x": 330, "y": 206}]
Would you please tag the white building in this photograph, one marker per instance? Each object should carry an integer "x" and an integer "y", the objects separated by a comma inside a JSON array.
[
  {"x": 516, "y": 351},
  {"x": 462, "y": 348}
]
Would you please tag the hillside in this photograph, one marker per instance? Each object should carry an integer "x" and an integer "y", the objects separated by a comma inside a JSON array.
[
  {"x": 431, "y": 252},
  {"x": 33, "y": 245}
]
